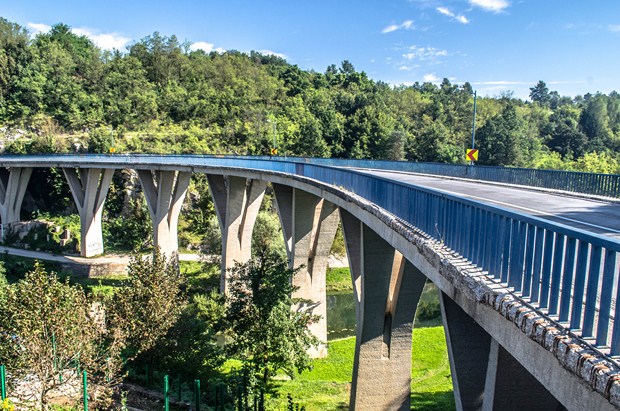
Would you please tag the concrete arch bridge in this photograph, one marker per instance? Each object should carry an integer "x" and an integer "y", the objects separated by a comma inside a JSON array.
[{"x": 527, "y": 287}]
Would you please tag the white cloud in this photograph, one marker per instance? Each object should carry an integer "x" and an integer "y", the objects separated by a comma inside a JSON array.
[
  {"x": 495, "y": 6},
  {"x": 424, "y": 53},
  {"x": 202, "y": 45},
  {"x": 614, "y": 27},
  {"x": 37, "y": 28},
  {"x": 501, "y": 83},
  {"x": 105, "y": 41},
  {"x": 447, "y": 12},
  {"x": 273, "y": 53},
  {"x": 430, "y": 78},
  {"x": 405, "y": 25}
]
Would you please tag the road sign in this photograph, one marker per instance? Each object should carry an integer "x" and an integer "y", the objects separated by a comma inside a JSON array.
[
  {"x": 274, "y": 151},
  {"x": 472, "y": 154},
  {"x": 112, "y": 150}
]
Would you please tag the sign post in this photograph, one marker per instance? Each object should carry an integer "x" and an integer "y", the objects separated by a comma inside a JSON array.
[{"x": 472, "y": 155}]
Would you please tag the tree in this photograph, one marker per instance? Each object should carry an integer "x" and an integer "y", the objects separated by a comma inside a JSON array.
[
  {"x": 150, "y": 303},
  {"x": 499, "y": 140},
  {"x": 540, "y": 94},
  {"x": 265, "y": 333},
  {"x": 45, "y": 330}
]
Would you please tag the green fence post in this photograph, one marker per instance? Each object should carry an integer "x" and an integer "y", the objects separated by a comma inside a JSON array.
[
  {"x": 85, "y": 389},
  {"x": 3, "y": 381},
  {"x": 197, "y": 394},
  {"x": 166, "y": 394}
]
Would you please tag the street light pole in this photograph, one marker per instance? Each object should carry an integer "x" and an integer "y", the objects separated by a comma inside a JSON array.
[{"x": 473, "y": 126}]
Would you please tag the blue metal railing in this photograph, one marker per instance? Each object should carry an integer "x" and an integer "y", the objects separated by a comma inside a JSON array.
[
  {"x": 606, "y": 185},
  {"x": 568, "y": 273}
]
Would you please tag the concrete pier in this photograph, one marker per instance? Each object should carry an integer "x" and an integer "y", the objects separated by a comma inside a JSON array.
[
  {"x": 165, "y": 191},
  {"x": 387, "y": 290},
  {"x": 237, "y": 202},
  {"x": 309, "y": 225},
  {"x": 13, "y": 184},
  {"x": 89, "y": 187}
]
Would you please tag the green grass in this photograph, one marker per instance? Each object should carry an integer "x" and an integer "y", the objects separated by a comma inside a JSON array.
[
  {"x": 327, "y": 385},
  {"x": 338, "y": 280}
]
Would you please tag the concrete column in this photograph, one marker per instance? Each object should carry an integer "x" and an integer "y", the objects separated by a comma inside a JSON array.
[
  {"x": 509, "y": 386},
  {"x": 237, "y": 202},
  {"x": 165, "y": 191},
  {"x": 13, "y": 184},
  {"x": 309, "y": 224},
  {"x": 468, "y": 350},
  {"x": 89, "y": 188},
  {"x": 387, "y": 290}
]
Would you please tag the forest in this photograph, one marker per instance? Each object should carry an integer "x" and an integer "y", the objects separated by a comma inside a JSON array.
[{"x": 60, "y": 92}]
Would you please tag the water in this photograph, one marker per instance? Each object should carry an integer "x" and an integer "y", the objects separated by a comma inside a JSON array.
[
  {"x": 341, "y": 312},
  {"x": 340, "y": 316}
]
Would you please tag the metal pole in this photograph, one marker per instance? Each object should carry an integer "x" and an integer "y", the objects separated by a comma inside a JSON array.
[
  {"x": 85, "y": 389},
  {"x": 166, "y": 394},
  {"x": 473, "y": 126},
  {"x": 3, "y": 381},
  {"x": 197, "y": 393}
]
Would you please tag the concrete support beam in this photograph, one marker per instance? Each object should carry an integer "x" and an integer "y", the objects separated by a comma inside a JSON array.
[
  {"x": 484, "y": 375},
  {"x": 237, "y": 202},
  {"x": 468, "y": 351},
  {"x": 89, "y": 188},
  {"x": 13, "y": 184},
  {"x": 509, "y": 386},
  {"x": 309, "y": 225},
  {"x": 387, "y": 290},
  {"x": 165, "y": 191}
]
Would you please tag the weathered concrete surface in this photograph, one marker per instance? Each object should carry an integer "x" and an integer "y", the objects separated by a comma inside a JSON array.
[
  {"x": 309, "y": 225},
  {"x": 511, "y": 387},
  {"x": 237, "y": 202},
  {"x": 387, "y": 290},
  {"x": 165, "y": 191},
  {"x": 89, "y": 188},
  {"x": 13, "y": 184}
]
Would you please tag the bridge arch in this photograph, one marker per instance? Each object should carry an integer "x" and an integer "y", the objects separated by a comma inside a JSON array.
[{"x": 519, "y": 338}]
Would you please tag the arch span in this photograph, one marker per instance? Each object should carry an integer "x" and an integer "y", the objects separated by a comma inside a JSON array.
[{"x": 511, "y": 348}]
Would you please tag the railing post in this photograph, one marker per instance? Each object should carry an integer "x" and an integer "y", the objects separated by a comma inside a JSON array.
[
  {"x": 197, "y": 394},
  {"x": 3, "y": 381},
  {"x": 166, "y": 394},
  {"x": 85, "y": 389}
]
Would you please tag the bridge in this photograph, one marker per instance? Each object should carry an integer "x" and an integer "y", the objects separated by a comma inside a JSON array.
[{"x": 528, "y": 283}]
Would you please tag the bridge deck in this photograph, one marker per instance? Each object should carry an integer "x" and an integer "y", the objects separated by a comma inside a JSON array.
[{"x": 595, "y": 216}]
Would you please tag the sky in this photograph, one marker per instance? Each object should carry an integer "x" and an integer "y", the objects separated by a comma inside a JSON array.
[{"x": 498, "y": 46}]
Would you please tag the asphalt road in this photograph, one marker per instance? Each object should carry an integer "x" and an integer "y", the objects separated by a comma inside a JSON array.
[{"x": 590, "y": 215}]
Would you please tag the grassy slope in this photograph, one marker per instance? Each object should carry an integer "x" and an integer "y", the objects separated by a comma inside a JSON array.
[{"x": 327, "y": 386}]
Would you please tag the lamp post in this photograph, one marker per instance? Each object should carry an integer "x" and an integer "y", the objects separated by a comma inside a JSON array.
[
  {"x": 473, "y": 127},
  {"x": 274, "y": 121}
]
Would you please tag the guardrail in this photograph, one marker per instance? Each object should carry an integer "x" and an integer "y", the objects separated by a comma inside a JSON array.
[
  {"x": 605, "y": 185},
  {"x": 569, "y": 274}
]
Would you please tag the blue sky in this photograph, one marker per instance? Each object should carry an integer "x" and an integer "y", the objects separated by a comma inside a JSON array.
[{"x": 496, "y": 45}]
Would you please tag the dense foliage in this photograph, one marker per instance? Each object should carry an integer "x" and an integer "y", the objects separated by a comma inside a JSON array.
[{"x": 158, "y": 96}]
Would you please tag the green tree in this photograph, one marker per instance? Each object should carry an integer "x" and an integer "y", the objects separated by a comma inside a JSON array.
[
  {"x": 45, "y": 330},
  {"x": 264, "y": 332},
  {"x": 499, "y": 140},
  {"x": 540, "y": 94}
]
